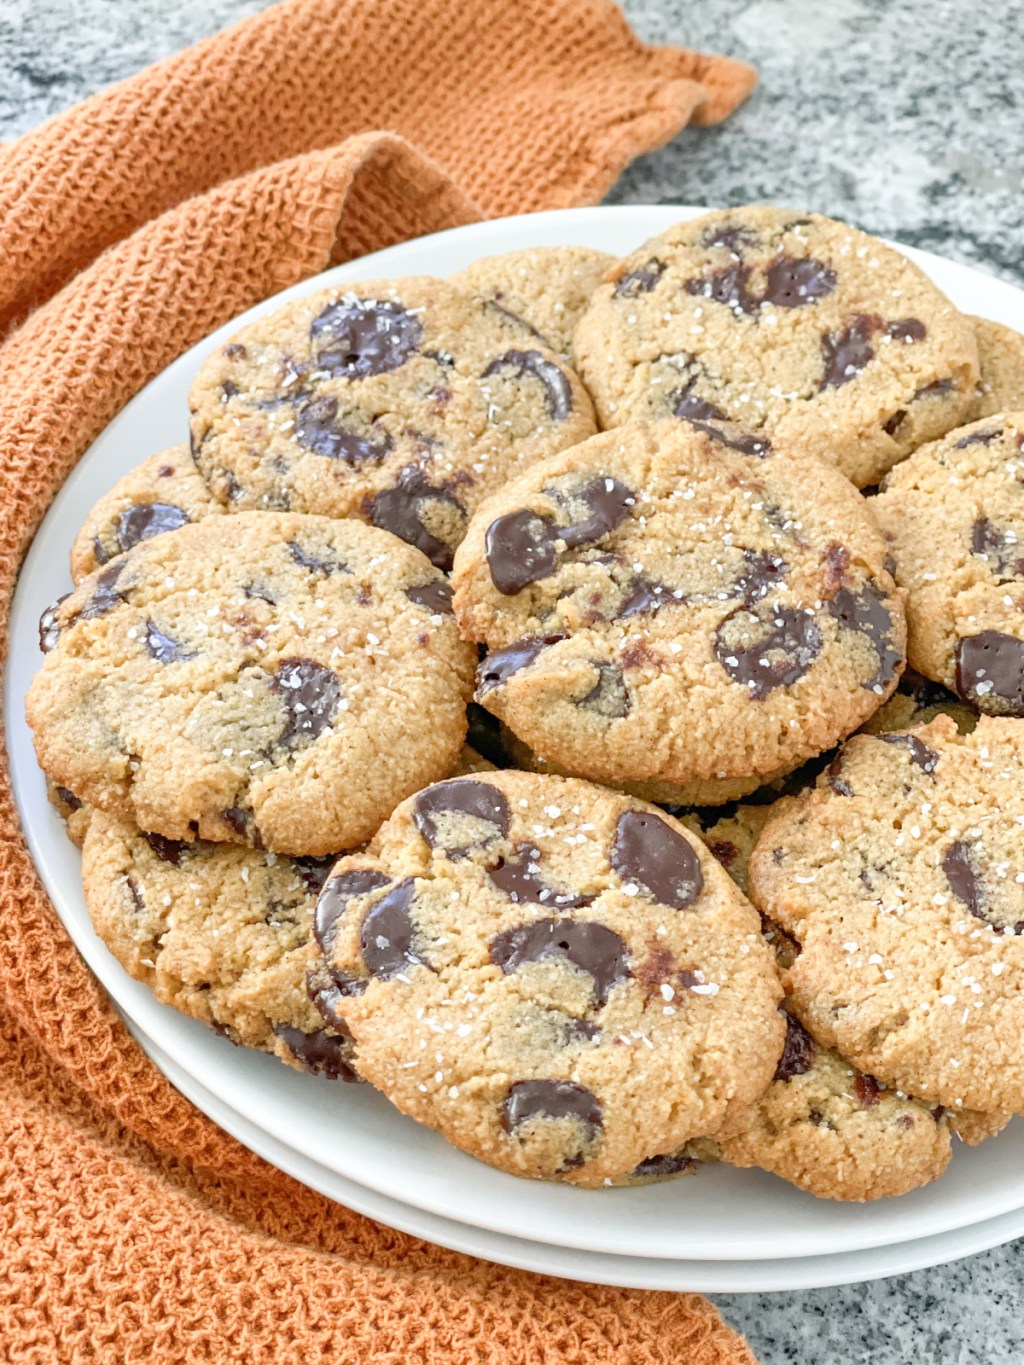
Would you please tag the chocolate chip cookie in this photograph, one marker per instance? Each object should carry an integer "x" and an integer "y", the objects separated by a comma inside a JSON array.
[
  {"x": 164, "y": 493},
  {"x": 556, "y": 978},
  {"x": 399, "y": 402},
  {"x": 219, "y": 932},
  {"x": 901, "y": 878},
  {"x": 1001, "y": 360},
  {"x": 548, "y": 287},
  {"x": 667, "y": 607},
  {"x": 265, "y": 678},
  {"x": 814, "y": 334},
  {"x": 954, "y": 518}
]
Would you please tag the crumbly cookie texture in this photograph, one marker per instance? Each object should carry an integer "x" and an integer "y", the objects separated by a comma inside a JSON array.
[
  {"x": 219, "y": 932},
  {"x": 75, "y": 814},
  {"x": 815, "y": 334},
  {"x": 164, "y": 493},
  {"x": 549, "y": 287},
  {"x": 556, "y": 978},
  {"x": 264, "y": 678},
  {"x": 899, "y": 876},
  {"x": 399, "y": 402},
  {"x": 665, "y": 606},
  {"x": 1001, "y": 360},
  {"x": 953, "y": 515}
]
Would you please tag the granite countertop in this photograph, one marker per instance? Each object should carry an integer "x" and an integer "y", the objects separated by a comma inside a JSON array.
[{"x": 902, "y": 117}]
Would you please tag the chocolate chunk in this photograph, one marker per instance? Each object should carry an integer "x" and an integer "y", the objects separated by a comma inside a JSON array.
[
  {"x": 541, "y": 1099},
  {"x": 105, "y": 596},
  {"x": 400, "y": 511},
  {"x": 734, "y": 239},
  {"x": 768, "y": 647},
  {"x": 669, "y": 1164},
  {"x": 326, "y": 994},
  {"x": 71, "y": 800},
  {"x": 316, "y": 561},
  {"x": 557, "y": 389},
  {"x": 865, "y": 613},
  {"x": 317, "y": 429},
  {"x": 519, "y": 878},
  {"x": 990, "y": 672},
  {"x": 146, "y": 519},
  {"x": 435, "y": 596},
  {"x": 49, "y": 628},
  {"x": 649, "y": 851},
  {"x": 484, "y": 735},
  {"x": 579, "y": 1030},
  {"x": 496, "y": 669},
  {"x": 797, "y": 1053},
  {"x": 609, "y": 697},
  {"x": 639, "y": 281},
  {"x": 744, "y": 441},
  {"x": 727, "y": 286},
  {"x": 387, "y": 933},
  {"x": 890, "y": 428},
  {"x": 920, "y": 754},
  {"x": 164, "y": 648},
  {"x": 237, "y": 820},
  {"x": 907, "y": 330},
  {"x": 520, "y": 549},
  {"x": 760, "y": 575},
  {"x": 935, "y": 389},
  {"x": 963, "y": 880},
  {"x": 167, "y": 850},
  {"x": 593, "y": 948},
  {"x": 794, "y": 283},
  {"x": 866, "y": 1090},
  {"x": 847, "y": 352},
  {"x": 604, "y": 503},
  {"x": 310, "y": 694},
  {"x": 692, "y": 408},
  {"x": 999, "y": 546},
  {"x": 440, "y": 810},
  {"x": 335, "y": 897},
  {"x": 360, "y": 337},
  {"x": 319, "y": 1052},
  {"x": 135, "y": 891},
  {"x": 313, "y": 871},
  {"x": 642, "y": 595},
  {"x": 978, "y": 438},
  {"x": 833, "y": 776}
]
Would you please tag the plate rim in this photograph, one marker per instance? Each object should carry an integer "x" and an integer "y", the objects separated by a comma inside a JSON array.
[{"x": 481, "y": 238}]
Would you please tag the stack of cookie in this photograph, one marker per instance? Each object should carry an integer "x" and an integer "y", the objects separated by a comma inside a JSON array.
[{"x": 625, "y": 517}]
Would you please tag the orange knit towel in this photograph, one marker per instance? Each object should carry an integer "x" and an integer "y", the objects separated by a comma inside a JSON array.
[{"x": 131, "y": 1228}]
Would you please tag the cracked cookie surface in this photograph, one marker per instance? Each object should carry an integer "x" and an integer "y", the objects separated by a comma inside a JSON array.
[
  {"x": 900, "y": 877},
  {"x": 260, "y": 678},
  {"x": 400, "y": 402},
  {"x": 793, "y": 324},
  {"x": 549, "y": 287},
  {"x": 555, "y": 977},
  {"x": 666, "y": 609},
  {"x": 217, "y": 931},
  {"x": 953, "y": 515}
]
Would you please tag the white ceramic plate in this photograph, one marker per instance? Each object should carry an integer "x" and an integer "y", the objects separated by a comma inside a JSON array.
[
  {"x": 722, "y": 1215},
  {"x": 631, "y": 1272}
]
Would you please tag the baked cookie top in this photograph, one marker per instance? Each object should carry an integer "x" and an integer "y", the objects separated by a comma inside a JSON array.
[
  {"x": 261, "y": 678},
  {"x": 547, "y": 286},
  {"x": 667, "y": 604},
  {"x": 162, "y": 494},
  {"x": 900, "y": 877},
  {"x": 218, "y": 931},
  {"x": 400, "y": 402},
  {"x": 556, "y": 978},
  {"x": 1001, "y": 361},
  {"x": 953, "y": 515},
  {"x": 795, "y": 325}
]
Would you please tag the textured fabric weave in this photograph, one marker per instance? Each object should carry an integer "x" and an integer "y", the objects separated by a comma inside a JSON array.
[{"x": 131, "y": 1227}]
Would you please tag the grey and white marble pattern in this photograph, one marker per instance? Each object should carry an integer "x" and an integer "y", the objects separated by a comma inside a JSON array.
[{"x": 903, "y": 116}]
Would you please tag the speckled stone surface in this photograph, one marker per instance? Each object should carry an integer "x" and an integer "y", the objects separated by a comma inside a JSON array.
[{"x": 902, "y": 117}]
